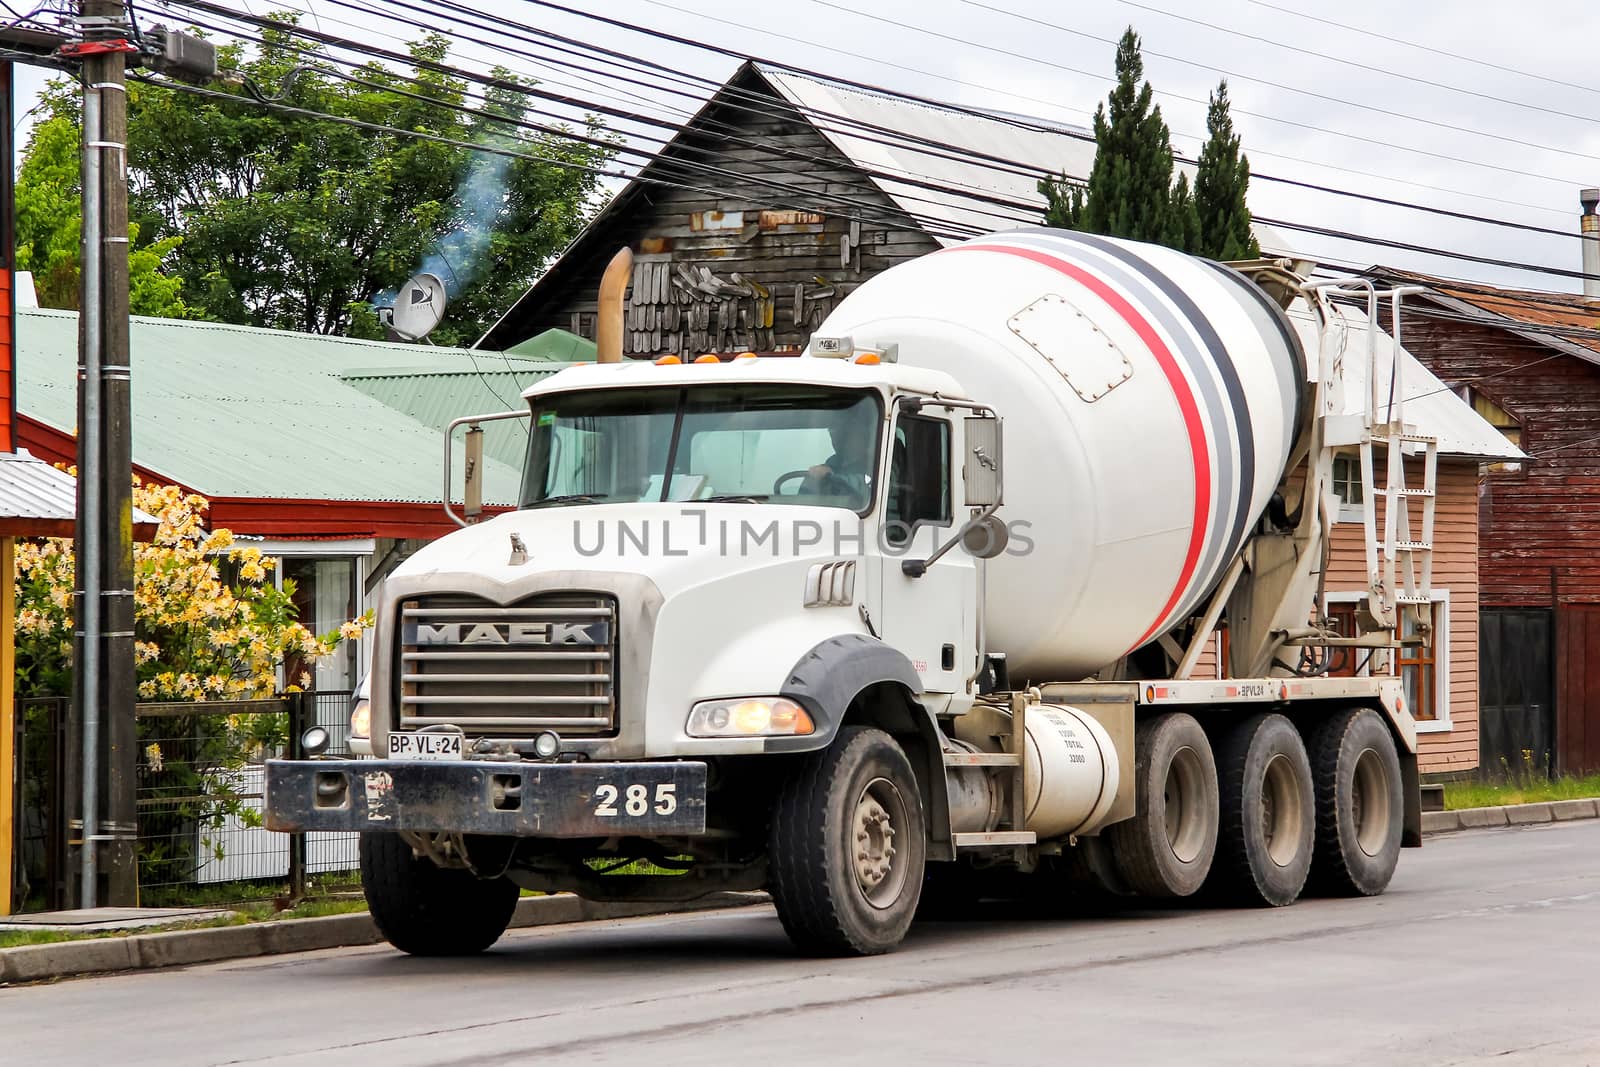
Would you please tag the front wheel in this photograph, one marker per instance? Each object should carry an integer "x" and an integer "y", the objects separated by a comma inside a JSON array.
[
  {"x": 848, "y": 847},
  {"x": 427, "y": 910}
]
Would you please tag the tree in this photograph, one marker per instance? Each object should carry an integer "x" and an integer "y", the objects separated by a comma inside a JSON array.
[
  {"x": 297, "y": 222},
  {"x": 273, "y": 218},
  {"x": 1220, "y": 187},
  {"x": 49, "y": 218},
  {"x": 1129, "y": 192}
]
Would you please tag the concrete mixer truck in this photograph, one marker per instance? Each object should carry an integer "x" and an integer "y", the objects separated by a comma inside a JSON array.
[{"x": 939, "y": 602}]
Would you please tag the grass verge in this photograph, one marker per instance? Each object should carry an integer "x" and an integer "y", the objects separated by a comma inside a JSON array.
[
  {"x": 1487, "y": 794},
  {"x": 242, "y": 914}
]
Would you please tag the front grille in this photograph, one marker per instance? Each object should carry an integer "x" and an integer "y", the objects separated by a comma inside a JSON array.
[{"x": 547, "y": 662}]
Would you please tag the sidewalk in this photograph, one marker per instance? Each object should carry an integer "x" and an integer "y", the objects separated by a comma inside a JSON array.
[
  {"x": 1444, "y": 822},
  {"x": 62, "y": 959}
]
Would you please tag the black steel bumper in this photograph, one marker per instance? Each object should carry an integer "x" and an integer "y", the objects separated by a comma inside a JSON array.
[{"x": 521, "y": 799}]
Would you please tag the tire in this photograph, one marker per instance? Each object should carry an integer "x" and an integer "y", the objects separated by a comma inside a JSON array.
[
  {"x": 1166, "y": 849},
  {"x": 1360, "y": 804},
  {"x": 856, "y": 798},
  {"x": 1265, "y": 846},
  {"x": 426, "y": 910}
]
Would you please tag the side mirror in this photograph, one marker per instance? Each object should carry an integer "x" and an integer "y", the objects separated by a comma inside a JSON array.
[
  {"x": 981, "y": 470},
  {"x": 986, "y": 538}
]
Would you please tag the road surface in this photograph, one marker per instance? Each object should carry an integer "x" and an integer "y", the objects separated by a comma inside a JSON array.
[{"x": 1484, "y": 950}]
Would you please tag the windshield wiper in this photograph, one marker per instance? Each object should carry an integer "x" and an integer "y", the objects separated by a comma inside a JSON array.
[
  {"x": 735, "y": 498},
  {"x": 570, "y": 498}
]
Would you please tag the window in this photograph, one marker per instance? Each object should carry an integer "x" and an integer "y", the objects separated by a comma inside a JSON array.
[
  {"x": 1424, "y": 669},
  {"x": 919, "y": 477},
  {"x": 795, "y": 444},
  {"x": 1502, "y": 420},
  {"x": 1347, "y": 486},
  {"x": 1419, "y": 669}
]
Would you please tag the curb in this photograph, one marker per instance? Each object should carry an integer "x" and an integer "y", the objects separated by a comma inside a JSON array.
[
  {"x": 1446, "y": 822},
  {"x": 175, "y": 948}
]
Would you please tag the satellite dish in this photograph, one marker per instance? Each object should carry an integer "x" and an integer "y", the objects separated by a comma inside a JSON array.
[{"x": 419, "y": 307}]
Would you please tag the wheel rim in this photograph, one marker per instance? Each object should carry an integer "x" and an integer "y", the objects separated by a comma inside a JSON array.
[
  {"x": 1369, "y": 803},
  {"x": 1185, "y": 814},
  {"x": 880, "y": 815},
  {"x": 1282, "y": 813}
]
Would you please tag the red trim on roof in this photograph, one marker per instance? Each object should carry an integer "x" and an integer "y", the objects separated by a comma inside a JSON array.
[{"x": 301, "y": 519}]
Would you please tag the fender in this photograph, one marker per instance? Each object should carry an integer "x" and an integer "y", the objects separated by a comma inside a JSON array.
[{"x": 826, "y": 681}]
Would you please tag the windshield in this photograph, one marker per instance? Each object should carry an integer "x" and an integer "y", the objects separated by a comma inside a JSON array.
[{"x": 792, "y": 444}]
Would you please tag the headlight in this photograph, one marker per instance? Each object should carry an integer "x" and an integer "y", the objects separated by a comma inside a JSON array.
[
  {"x": 749, "y": 717},
  {"x": 361, "y": 718}
]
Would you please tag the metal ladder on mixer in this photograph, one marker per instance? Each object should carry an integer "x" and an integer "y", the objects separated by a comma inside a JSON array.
[{"x": 1400, "y": 561}]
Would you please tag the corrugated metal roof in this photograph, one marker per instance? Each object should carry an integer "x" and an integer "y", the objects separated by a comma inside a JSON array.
[
  {"x": 1430, "y": 405},
  {"x": 1576, "y": 318},
  {"x": 30, "y": 488},
  {"x": 244, "y": 412},
  {"x": 434, "y": 399},
  {"x": 1018, "y": 147},
  {"x": 558, "y": 345}
]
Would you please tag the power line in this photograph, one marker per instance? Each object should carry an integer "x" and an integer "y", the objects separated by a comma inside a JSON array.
[
  {"x": 1586, "y": 119},
  {"x": 1031, "y": 210},
  {"x": 993, "y": 116},
  {"x": 1236, "y": 76},
  {"x": 1422, "y": 47},
  {"x": 1195, "y": 100}
]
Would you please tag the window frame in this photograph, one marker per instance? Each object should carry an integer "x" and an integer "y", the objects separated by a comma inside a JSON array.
[
  {"x": 1348, "y": 511},
  {"x": 1440, "y": 723},
  {"x": 949, "y": 476}
]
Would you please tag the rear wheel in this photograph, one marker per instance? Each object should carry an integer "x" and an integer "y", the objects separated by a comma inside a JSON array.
[
  {"x": 1264, "y": 849},
  {"x": 1360, "y": 804},
  {"x": 848, "y": 847},
  {"x": 1165, "y": 850},
  {"x": 428, "y": 910}
]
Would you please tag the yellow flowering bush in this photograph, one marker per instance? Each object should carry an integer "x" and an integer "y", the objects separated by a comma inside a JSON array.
[{"x": 210, "y": 624}]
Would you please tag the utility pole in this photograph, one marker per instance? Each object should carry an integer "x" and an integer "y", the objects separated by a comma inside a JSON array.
[{"x": 104, "y": 688}]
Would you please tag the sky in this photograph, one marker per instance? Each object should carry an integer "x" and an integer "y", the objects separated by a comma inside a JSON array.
[{"x": 1475, "y": 108}]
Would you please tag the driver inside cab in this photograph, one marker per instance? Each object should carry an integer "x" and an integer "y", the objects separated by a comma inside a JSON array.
[{"x": 847, "y": 472}]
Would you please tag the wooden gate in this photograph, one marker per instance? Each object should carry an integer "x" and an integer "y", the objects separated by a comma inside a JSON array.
[
  {"x": 1578, "y": 689},
  {"x": 1516, "y": 716}
]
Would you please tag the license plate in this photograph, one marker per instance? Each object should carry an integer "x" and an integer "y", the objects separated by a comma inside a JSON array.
[{"x": 440, "y": 746}]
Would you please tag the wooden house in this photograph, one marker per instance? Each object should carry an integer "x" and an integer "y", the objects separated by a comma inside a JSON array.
[{"x": 1529, "y": 363}]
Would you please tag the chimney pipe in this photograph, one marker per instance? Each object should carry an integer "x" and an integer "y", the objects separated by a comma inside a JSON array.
[
  {"x": 1589, "y": 226},
  {"x": 608, "y": 319}
]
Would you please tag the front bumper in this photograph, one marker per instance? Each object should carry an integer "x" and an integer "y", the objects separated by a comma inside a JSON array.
[{"x": 479, "y": 797}]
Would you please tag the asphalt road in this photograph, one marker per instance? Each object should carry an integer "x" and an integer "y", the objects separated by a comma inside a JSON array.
[{"x": 1484, "y": 950}]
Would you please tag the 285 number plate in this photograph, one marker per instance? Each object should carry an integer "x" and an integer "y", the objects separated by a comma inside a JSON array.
[{"x": 637, "y": 798}]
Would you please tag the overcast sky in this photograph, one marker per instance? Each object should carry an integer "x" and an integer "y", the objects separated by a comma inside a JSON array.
[{"x": 1504, "y": 131}]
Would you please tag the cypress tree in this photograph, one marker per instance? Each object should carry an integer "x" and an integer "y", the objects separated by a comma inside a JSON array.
[
  {"x": 1129, "y": 192},
  {"x": 1220, "y": 186}
]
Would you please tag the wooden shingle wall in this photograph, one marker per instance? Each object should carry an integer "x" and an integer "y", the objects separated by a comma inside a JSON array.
[{"x": 742, "y": 262}]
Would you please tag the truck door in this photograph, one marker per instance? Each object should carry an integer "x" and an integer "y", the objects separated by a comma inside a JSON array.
[{"x": 931, "y": 619}]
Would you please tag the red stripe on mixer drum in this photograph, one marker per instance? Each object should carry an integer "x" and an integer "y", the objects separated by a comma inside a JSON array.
[{"x": 1180, "y": 390}]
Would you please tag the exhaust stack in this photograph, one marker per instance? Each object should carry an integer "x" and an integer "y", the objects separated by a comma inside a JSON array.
[
  {"x": 608, "y": 320},
  {"x": 1589, "y": 226}
]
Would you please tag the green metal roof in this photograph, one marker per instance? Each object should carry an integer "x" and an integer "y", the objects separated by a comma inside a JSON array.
[
  {"x": 434, "y": 397},
  {"x": 244, "y": 412},
  {"x": 556, "y": 345}
]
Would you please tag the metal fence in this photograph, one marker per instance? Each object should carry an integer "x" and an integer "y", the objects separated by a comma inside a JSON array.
[{"x": 199, "y": 799}]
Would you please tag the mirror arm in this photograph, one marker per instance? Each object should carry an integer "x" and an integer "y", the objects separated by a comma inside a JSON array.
[
  {"x": 449, "y": 431},
  {"x": 916, "y": 568}
]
